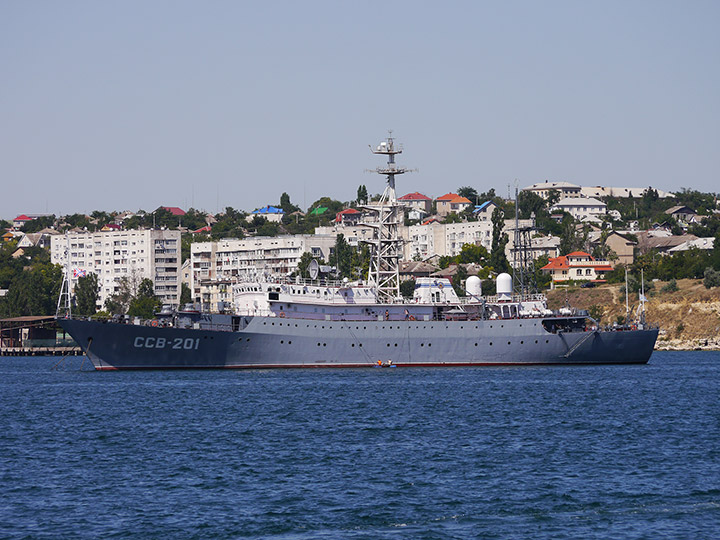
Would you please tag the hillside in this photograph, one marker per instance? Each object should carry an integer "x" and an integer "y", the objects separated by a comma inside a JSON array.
[{"x": 689, "y": 318}]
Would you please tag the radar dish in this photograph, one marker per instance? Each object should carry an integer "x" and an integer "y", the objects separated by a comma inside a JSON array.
[{"x": 313, "y": 269}]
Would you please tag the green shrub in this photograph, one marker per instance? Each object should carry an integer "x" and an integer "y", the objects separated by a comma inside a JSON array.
[
  {"x": 670, "y": 287},
  {"x": 712, "y": 278}
]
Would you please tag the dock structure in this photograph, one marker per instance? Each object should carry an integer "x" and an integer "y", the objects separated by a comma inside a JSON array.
[{"x": 35, "y": 336}]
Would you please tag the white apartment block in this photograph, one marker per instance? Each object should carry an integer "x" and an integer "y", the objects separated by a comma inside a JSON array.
[
  {"x": 564, "y": 189},
  {"x": 447, "y": 240},
  {"x": 112, "y": 255},
  {"x": 582, "y": 208},
  {"x": 245, "y": 259}
]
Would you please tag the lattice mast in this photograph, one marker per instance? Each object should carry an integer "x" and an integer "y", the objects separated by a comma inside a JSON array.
[
  {"x": 64, "y": 304},
  {"x": 523, "y": 259},
  {"x": 384, "y": 272}
]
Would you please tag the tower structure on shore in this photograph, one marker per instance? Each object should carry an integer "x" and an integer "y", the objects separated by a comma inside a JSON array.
[{"x": 384, "y": 272}]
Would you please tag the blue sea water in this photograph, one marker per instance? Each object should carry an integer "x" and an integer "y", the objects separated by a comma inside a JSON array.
[{"x": 513, "y": 453}]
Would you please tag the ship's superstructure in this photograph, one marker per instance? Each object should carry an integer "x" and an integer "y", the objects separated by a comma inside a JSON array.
[{"x": 323, "y": 323}]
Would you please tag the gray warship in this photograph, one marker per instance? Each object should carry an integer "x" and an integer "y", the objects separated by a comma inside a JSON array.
[{"x": 320, "y": 323}]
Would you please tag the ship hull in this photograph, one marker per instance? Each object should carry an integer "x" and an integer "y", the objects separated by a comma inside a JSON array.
[{"x": 271, "y": 342}]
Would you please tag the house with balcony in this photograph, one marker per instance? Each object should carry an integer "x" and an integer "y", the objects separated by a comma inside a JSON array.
[{"x": 576, "y": 266}]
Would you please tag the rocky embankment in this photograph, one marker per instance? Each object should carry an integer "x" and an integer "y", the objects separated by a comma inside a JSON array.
[{"x": 689, "y": 318}]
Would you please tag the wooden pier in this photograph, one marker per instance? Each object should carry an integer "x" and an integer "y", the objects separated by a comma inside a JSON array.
[{"x": 41, "y": 351}]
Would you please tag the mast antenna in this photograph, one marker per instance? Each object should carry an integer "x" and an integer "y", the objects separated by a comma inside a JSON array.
[{"x": 384, "y": 271}]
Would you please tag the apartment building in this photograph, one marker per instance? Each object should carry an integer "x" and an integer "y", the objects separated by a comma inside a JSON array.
[
  {"x": 235, "y": 259},
  {"x": 448, "y": 239},
  {"x": 134, "y": 254}
]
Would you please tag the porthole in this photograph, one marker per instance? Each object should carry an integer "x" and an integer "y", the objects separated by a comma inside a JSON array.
[
  {"x": 491, "y": 343},
  {"x": 547, "y": 341},
  {"x": 422, "y": 344},
  {"x": 324, "y": 344},
  {"x": 352, "y": 344},
  {"x": 248, "y": 339},
  {"x": 289, "y": 342},
  {"x": 429, "y": 344},
  {"x": 536, "y": 341},
  {"x": 281, "y": 341},
  {"x": 476, "y": 344},
  {"x": 318, "y": 344},
  {"x": 521, "y": 342},
  {"x": 508, "y": 343},
  {"x": 388, "y": 344},
  {"x": 396, "y": 344}
]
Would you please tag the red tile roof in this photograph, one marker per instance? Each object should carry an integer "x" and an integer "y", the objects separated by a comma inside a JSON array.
[
  {"x": 346, "y": 212},
  {"x": 414, "y": 197},
  {"x": 206, "y": 228},
  {"x": 23, "y": 217},
  {"x": 447, "y": 197},
  {"x": 557, "y": 263},
  {"x": 174, "y": 210},
  {"x": 459, "y": 199},
  {"x": 579, "y": 254}
]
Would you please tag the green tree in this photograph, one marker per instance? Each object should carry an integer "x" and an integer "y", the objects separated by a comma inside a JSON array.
[
  {"x": 286, "y": 205},
  {"x": 570, "y": 239},
  {"x": 470, "y": 253},
  {"x": 458, "y": 279},
  {"x": 185, "y": 294},
  {"x": 145, "y": 303},
  {"x": 362, "y": 194},
  {"x": 33, "y": 291},
  {"x": 407, "y": 288},
  {"x": 498, "y": 260},
  {"x": 38, "y": 224},
  {"x": 469, "y": 193},
  {"x": 305, "y": 259},
  {"x": 118, "y": 303},
  {"x": 86, "y": 295},
  {"x": 344, "y": 257}
]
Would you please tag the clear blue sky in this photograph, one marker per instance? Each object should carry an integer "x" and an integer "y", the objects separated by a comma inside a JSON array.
[{"x": 136, "y": 104}]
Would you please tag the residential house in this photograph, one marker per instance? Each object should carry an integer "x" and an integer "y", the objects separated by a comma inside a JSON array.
[
  {"x": 485, "y": 210},
  {"x": 577, "y": 266},
  {"x": 660, "y": 241},
  {"x": 416, "y": 269},
  {"x": 622, "y": 245},
  {"x": 349, "y": 216},
  {"x": 174, "y": 210},
  {"x": 451, "y": 202},
  {"x": 706, "y": 244},
  {"x": 682, "y": 214},
  {"x": 21, "y": 220},
  {"x": 270, "y": 213},
  {"x": 416, "y": 201}
]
